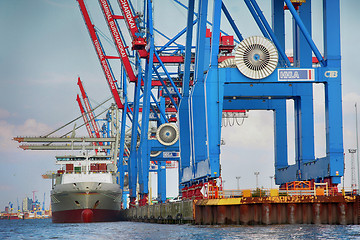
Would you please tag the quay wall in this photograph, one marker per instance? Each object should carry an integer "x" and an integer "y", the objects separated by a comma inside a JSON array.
[{"x": 252, "y": 211}]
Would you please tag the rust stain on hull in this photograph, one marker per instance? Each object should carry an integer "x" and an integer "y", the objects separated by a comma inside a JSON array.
[
  {"x": 253, "y": 211},
  {"x": 279, "y": 210}
]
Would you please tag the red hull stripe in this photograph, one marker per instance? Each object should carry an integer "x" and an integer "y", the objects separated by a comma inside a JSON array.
[{"x": 74, "y": 216}]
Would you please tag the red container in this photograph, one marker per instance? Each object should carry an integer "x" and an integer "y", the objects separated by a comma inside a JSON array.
[
  {"x": 102, "y": 167},
  {"x": 94, "y": 167},
  {"x": 227, "y": 40},
  {"x": 69, "y": 168}
]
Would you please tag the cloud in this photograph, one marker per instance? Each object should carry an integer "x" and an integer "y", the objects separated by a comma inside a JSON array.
[
  {"x": 7, "y": 131},
  {"x": 4, "y": 114},
  {"x": 349, "y": 101},
  {"x": 5, "y": 188},
  {"x": 6, "y": 134},
  {"x": 32, "y": 128},
  {"x": 256, "y": 132},
  {"x": 59, "y": 4}
]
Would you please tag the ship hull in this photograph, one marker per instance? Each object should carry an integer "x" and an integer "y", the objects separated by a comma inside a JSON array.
[
  {"x": 86, "y": 202},
  {"x": 77, "y": 216}
]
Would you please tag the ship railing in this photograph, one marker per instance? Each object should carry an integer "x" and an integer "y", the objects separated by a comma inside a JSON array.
[
  {"x": 299, "y": 192},
  {"x": 262, "y": 192},
  {"x": 83, "y": 171},
  {"x": 232, "y": 193}
]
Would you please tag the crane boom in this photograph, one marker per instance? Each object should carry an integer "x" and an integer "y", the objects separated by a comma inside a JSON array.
[
  {"x": 101, "y": 55},
  {"x": 105, "y": 6},
  {"x": 89, "y": 109},
  {"x": 86, "y": 121},
  {"x": 129, "y": 17},
  {"x": 83, "y": 114}
]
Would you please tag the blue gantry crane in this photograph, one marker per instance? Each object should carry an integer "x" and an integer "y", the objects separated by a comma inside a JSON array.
[
  {"x": 264, "y": 78},
  {"x": 188, "y": 103}
]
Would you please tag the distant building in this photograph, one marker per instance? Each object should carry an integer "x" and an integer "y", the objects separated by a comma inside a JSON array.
[{"x": 27, "y": 204}]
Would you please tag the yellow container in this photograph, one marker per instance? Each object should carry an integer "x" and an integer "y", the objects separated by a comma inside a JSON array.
[
  {"x": 320, "y": 192},
  {"x": 246, "y": 193},
  {"x": 274, "y": 192}
]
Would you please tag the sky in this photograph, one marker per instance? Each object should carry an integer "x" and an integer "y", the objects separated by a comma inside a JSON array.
[{"x": 45, "y": 46}]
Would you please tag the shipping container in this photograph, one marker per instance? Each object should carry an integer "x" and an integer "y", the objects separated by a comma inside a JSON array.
[
  {"x": 102, "y": 167},
  {"x": 227, "y": 40},
  {"x": 69, "y": 168},
  {"x": 94, "y": 167}
]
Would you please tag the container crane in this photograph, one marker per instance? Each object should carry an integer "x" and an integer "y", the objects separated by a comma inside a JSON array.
[
  {"x": 33, "y": 200},
  {"x": 11, "y": 206},
  {"x": 43, "y": 205},
  {"x": 138, "y": 44},
  {"x": 213, "y": 90}
]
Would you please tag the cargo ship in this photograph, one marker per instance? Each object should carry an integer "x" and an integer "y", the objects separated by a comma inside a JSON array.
[
  {"x": 11, "y": 216},
  {"x": 85, "y": 189}
]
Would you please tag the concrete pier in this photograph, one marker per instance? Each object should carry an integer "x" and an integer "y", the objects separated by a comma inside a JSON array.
[
  {"x": 173, "y": 212},
  {"x": 253, "y": 211}
]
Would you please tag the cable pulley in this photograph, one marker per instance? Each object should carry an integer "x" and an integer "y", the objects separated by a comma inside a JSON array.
[
  {"x": 167, "y": 134},
  {"x": 256, "y": 57}
]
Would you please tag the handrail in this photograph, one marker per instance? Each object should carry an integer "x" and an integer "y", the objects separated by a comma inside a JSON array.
[{"x": 216, "y": 193}]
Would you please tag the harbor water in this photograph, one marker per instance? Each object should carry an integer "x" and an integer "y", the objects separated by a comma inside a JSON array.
[{"x": 45, "y": 229}]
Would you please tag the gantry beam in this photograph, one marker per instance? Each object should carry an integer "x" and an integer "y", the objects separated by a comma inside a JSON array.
[
  {"x": 63, "y": 147},
  {"x": 58, "y": 139}
]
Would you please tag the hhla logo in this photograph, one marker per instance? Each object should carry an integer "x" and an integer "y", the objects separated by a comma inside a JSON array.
[
  {"x": 289, "y": 74},
  {"x": 296, "y": 74}
]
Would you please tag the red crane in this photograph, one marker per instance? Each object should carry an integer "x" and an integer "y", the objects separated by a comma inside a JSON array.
[
  {"x": 86, "y": 120},
  {"x": 109, "y": 17},
  {"x": 89, "y": 109},
  {"x": 138, "y": 42},
  {"x": 101, "y": 55},
  {"x": 33, "y": 200}
]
